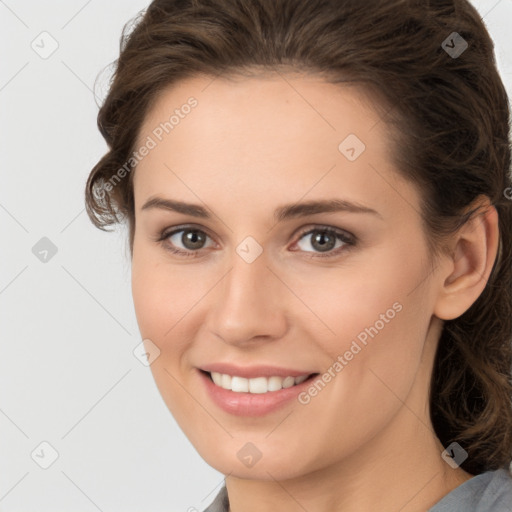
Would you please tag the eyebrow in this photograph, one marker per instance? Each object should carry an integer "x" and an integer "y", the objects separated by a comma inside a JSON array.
[{"x": 281, "y": 213}]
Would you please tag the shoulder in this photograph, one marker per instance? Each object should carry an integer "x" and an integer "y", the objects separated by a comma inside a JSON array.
[
  {"x": 487, "y": 492},
  {"x": 220, "y": 503}
]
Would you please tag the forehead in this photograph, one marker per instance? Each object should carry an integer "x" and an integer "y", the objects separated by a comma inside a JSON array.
[
  {"x": 293, "y": 132},
  {"x": 272, "y": 98}
]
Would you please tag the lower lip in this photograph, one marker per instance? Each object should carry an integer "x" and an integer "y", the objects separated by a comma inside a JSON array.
[{"x": 251, "y": 404}]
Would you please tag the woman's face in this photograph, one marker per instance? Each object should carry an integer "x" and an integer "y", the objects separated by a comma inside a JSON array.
[{"x": 260, "y": 290}]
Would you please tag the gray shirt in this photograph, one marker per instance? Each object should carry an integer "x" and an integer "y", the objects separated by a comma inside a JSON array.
[{"x": 487, "y": 492}]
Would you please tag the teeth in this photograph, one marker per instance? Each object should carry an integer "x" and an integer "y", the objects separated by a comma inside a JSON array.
[
  {"x": 217, "y": 378},
  {"x": 256, "y": 385},
  {"x": 298, "y": 380},
  {"x": 239, "y": 384}
]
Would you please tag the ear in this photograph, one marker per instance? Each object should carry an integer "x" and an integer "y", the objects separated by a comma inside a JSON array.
[{"x": 466, "y": 271}]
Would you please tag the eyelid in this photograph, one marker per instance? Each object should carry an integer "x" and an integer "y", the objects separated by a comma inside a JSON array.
[
  {"x": 325, "y": 227},
  {"x": 167, "y": 232}
]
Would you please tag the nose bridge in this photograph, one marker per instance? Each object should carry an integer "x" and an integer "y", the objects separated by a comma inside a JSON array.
[{"x": 248, "y": 303}]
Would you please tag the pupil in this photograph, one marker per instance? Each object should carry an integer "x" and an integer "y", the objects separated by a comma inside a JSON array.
[
  {"x": 319, "y": 241},
  {"x": 192, "y": 239}
]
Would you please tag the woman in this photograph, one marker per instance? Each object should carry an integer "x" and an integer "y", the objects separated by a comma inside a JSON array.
[{"x": 318, "y": 199}]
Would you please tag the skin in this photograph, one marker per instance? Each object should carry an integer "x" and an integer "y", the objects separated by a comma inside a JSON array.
[{"x": 365, "y": 442}]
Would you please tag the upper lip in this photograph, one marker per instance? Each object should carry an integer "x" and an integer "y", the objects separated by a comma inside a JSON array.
[{"x": 250, "y": 372}]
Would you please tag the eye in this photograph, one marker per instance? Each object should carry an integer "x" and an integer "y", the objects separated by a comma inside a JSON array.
[
  {"x": 325, "y": 240},
  {"x": 191, "y": 240}
]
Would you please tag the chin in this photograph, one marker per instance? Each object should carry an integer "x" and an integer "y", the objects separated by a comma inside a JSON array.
[{"x": 258, "y": 460}]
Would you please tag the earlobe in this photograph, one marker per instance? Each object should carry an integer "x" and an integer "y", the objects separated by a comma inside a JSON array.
[{"x": 469, "y": 266}]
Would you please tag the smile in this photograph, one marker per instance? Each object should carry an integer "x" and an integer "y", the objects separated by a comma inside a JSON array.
[{"x": 258, "y": 385}]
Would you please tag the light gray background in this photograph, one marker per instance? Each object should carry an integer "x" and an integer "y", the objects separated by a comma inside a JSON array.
[{"x": 68, "y": 375}]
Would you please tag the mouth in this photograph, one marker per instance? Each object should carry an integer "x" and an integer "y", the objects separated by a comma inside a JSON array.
[
  {"x": 255, "y": 390},
  {"x": 256, "y": 385}
]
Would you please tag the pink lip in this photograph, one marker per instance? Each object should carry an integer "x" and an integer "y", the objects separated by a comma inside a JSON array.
[
  {"x": 250, "y": 372},
  {"x": 251, "y": 404}
]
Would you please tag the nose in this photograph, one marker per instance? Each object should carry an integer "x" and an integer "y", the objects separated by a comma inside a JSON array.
[{"x": 249, "y": 304}]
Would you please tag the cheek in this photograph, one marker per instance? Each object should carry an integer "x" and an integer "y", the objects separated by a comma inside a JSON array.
[
  {"x": 375, "y": 295},
  {"x": 374, "y": 321},
  {"x": 161, "y": 305},
  {"x": 161, "y": 293},
  {"x": 155, "y": 309},
  {"x": 372, "y": 367},
  {"x": 148, "y": 299},
  {"x": 168, "y": 299}
]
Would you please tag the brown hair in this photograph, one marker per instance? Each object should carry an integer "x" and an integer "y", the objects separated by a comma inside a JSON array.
[{"x": 449, "y": 116}]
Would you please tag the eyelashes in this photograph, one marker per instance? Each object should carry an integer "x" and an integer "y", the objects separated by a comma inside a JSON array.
[{"x": 325, "y": 236}]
